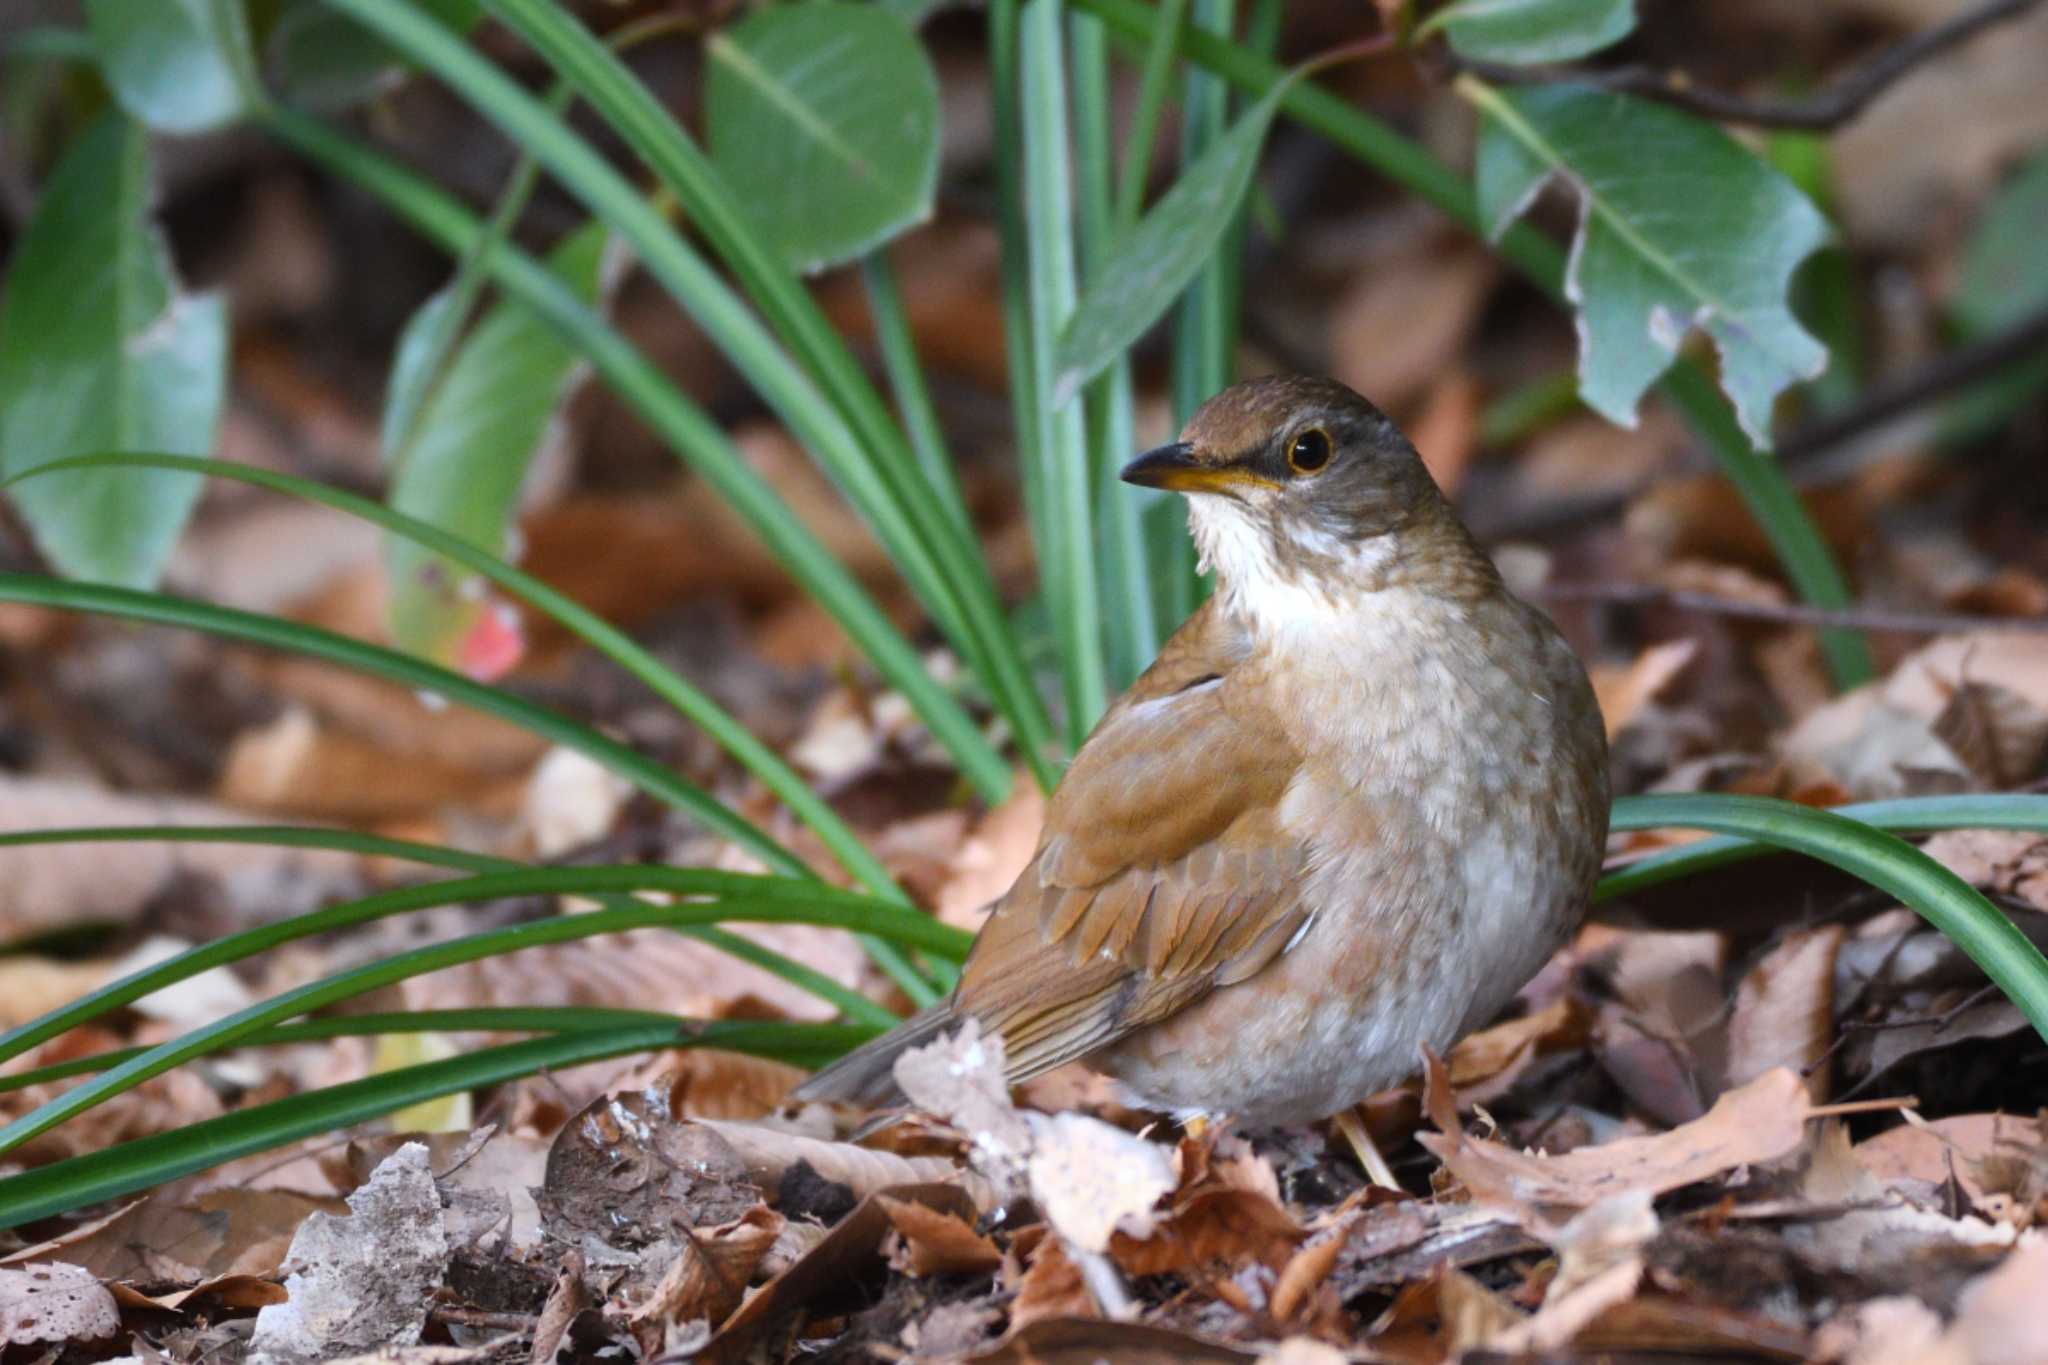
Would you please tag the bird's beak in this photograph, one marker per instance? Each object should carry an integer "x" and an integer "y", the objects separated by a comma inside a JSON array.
[{"x": 1174, "y": 467}]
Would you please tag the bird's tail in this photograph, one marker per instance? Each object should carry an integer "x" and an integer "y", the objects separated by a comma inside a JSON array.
[{"x": 867, "y": 1075}]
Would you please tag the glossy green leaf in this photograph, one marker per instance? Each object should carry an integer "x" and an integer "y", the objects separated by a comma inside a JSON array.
[
  {"x": 99, "y": 350},
  {"x": 1680, "y": 228},
  {"x": 1883, "y": 860},
  {"x": 1530, "y": 32},
  {"x": 1156, "y": 260},
  {"x": 481, "y": 420},
  {"x": 180, "y": 66},
  {"x": 132, "y": 1166},
  {"x": 824, "y": 120}
]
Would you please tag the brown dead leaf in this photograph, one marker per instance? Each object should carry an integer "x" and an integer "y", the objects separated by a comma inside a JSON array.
[
  {"x": 1051, "y": 1288},
  {"x": 709, "y": 1276},
  {"x": 1094, "y": 1182},
  {"x": 929, "y": 1242},
  {"x": 993, "y": 856},
  {"x": 1469, "y": 1314},
  {"x": 168, "y": 1237},
  {"x": 1304, "y": 1273},
  {"x": 1446, "y": 434},
  {"x": 1087, "y": 1341},
  {"x": 1623, "y": 692},
  {"x": 770, "y": 1153},
  {"x": 1484, "y": 1063},
  {"x": 2010, "y": 862},
  {"x": 1785, "y": 1011},
  {"x": 1760, "y": 1121},
  {"x": 1427, "y": 294},
  {"x": 297, "y": 766}
]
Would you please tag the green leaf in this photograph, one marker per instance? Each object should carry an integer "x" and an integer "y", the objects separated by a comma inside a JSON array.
[
  {"x": 824, "y": 119},
  {"x": 480, "y": 424},
  {"x": 99, "y": 349},
  {"x": 178, "y": 65},
  {"x": 1680, "y": 228},
  {"x": 1529, "y": 32},
  {"x": 1150, "y": 266}
]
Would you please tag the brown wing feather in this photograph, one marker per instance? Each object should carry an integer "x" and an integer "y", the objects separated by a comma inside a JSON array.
[{"x": 1154, "y": 881}]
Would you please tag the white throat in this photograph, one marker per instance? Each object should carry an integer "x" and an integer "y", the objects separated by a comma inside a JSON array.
[{"x": 1269, "y": 596}]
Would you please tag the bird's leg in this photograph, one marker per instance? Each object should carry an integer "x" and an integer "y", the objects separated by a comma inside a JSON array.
[{"x": 1351, "y": 1123}]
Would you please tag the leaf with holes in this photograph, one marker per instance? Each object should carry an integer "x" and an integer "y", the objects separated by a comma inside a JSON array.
[
  {"x": 479, "y": 424},
  {"x": 1525, "y": 32},
  {"x": 824, "y": 119},
  {"x": 1679, "y": 228},
  {"x": 100, "y": 351}
]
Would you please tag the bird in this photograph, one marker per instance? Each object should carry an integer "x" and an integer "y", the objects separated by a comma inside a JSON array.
[{"x": 1353, "y": 806}]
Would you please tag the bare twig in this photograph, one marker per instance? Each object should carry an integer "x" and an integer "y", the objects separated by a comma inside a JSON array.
[
  {"x": 1938, "y": 378},
  {"x": 1832, "y": 108},
  {"x": 1787, "y": 613}
]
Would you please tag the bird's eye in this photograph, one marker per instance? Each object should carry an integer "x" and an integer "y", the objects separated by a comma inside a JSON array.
[{"x": 1309, "y": 451}]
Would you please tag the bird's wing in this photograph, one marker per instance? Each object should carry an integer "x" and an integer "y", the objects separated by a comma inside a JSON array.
[{"x": 1162, "y": 874}]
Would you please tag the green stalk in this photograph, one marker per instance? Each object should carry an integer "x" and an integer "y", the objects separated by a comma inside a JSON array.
[
  {"x": 763, "y": 901},
  {"x": 1153, "y": 85},
  {"x": 879, "y": 460},
  {"x": 131, "y": 1166},
  {"x": 851, "y": 1003},
  {"x": 1065, "y": 534},
  {"x": 1808, "y": 564},
  {"x": 906, "y": 383},
  {"x": 687, "y": 430},
  {"x": 1132, "y": 635}
]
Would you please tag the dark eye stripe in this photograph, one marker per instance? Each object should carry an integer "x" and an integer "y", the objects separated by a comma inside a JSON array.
[{"x": 1309, "y": 451}]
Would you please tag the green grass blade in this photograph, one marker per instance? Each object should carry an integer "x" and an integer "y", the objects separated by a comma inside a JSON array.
[
  {"x": 1153, "y": 84},
  {"x": 688, "y": 431},
  {"x": 1798, "y": 541},
  {"x": 138, "y": 1165},
  {"x": 766, "y": 903},
  {"x": 1065, "y": 532},
  {"x": 511, "y": 1019},
  {"x": 163, "y": 609},
  {"x": 1906, "y": 815},
  {"x": 845, "y": 423},
  {"x": 706, "y": 714},
  {"x": 1131, "y": 627},
  {"x": 847, "y": 1001},
  {"x": 1883, "y": 860},
  {"x": 906, "y": 383}
]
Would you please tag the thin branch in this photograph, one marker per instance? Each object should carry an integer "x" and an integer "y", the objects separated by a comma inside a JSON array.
[
  {"x": 1832, "y": 108},
  {"x": 1941, "y": 376},
  {"x": 1786, "y": 613}
]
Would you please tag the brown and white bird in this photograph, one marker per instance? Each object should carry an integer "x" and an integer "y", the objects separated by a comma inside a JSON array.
[{"x": 1356, "y": 802}]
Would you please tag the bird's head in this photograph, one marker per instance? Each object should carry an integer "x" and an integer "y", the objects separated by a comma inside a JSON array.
[{"x": 1297, "y": 484}]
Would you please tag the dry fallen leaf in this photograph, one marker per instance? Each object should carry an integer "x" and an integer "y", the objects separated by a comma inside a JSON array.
[
  {"x": 1760, "y": 1121},
  {"x": 1624, "y": 691},
  {"x": 1092, "y": 1180},
  {"x": 709, "y": 1275},
  {"x": 933, "y": 1243},
  {"x": 363, "y": 1281},
  {"x": 55, "y": 1302},
  {"x": 1784, "y": 1011}
]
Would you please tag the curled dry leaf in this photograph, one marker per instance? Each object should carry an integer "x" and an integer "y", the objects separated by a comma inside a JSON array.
[
  {"x": 1759, "y": 1122},
  {"x": 928, "y": 1242},
  {"x": 1600, "y": 1265},
  {"x": 2010, "y": 862},
  {"x": 55, "y": 1302},
  {"x": 993, "y": 856},
  {"x": 960, "y": 1079},
  {"x": 709, "y": 1277}
]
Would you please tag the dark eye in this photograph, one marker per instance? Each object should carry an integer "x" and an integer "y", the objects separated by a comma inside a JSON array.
[{"x": 1309, "y": 451}]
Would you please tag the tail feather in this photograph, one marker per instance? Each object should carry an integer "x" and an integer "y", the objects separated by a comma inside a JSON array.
[{"x": 867, "y": 1075}]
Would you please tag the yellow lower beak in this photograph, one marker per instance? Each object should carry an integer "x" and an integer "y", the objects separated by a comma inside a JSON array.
[{"x": 1174, "y": 468}]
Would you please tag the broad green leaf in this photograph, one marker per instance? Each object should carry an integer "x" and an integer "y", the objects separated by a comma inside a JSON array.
[
  {"x": 480, "y": 422},
  {"x": 1528, "y": 32},
  {"x": 100, "y": 351},
  {"x": 1147, "y": 270},
  {"x": 178, "y": 65},
  {"x": 323, "y": 60},
  {"x": 2004, "y": 278},
  {"x": 1679, "y": 228},
  {"x": 824, "y": 120}
]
